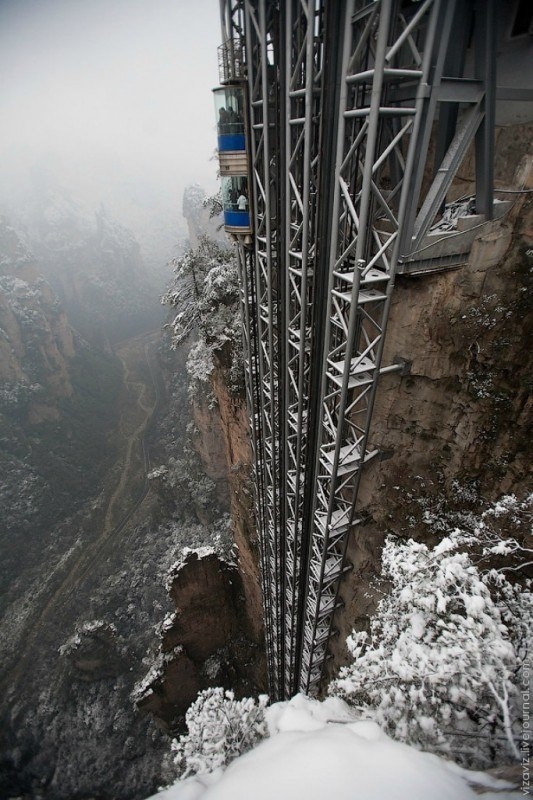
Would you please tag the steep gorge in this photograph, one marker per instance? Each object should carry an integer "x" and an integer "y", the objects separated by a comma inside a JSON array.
[
  {"x": 79, "y": 605},
  {"x": 455, "y": 426},
  {"x": 57, "y": 408}
]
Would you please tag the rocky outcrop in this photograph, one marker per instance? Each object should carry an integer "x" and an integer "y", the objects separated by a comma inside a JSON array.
[
  {"x": 458, "y": 426},
  {"x": 206, "y": 642},
  {"x": 94, "y": 654},
  {"x": 203, "y": 592}
]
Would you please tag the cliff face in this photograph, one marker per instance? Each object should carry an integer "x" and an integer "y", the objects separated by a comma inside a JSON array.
[
  {"x": 210, "y": 443},
  {"x": 57, "y": 405},
  {"x": 205, "y": 643},
  {"x": 458, "y": 426},
  {"x": 36, "y": 341},
  {"x": 236, "y": 438}
]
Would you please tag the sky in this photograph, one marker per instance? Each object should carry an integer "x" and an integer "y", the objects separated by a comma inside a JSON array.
[{"x": 98, "y": 89}]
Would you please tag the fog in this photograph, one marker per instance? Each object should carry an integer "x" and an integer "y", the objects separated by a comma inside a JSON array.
[
  {"x": 108, "y": 100},
  {"x": 106, "y": 116}
]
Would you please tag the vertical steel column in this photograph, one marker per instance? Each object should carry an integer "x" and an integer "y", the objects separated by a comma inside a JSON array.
[
  {"x": 260, "y": 59},
  {"x": 485, "y": 54},
  {"x": 303, "y": 48},
  {"x": 243, "y": 25}
]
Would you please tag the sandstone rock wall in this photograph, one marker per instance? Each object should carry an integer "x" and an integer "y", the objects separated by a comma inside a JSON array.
[
  {"x": 223, "y": 444},
  {"x": 206, "y": 643},
  {"x": 236, "y": 434},
  {"x": 210, "y": 445}
]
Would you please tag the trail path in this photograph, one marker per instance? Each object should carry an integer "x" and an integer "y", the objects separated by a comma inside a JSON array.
[{"x": 134, "y": 438}]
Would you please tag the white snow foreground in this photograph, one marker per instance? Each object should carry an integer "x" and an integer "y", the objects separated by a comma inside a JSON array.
[{"x": 320, "y": 750}]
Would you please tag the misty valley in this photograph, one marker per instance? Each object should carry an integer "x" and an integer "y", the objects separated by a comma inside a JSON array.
[{"x": 101, "y": 490}]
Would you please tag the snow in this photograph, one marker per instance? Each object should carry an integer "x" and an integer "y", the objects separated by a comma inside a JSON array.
[
  {"x": 202, "y": 551},
  {"x": 320, "y": 750},
  {"x": 144, "y": 687},
  {"x": 90, "y": 626},
  {"x": 220, "y": 729},
  {"x": 440, "y": 668},
  {"x": 452, "y": 212},
  {"x": 157, "y": 472}
]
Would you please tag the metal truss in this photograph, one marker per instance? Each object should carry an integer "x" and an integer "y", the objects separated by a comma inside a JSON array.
[
  {"x": 262, "y": 50},
  {"x": 302, "y": 24},
  {"x": 245, "y": 32},
  {"x": 343, "y": 99},
  {"x": 392, "y": 68}
]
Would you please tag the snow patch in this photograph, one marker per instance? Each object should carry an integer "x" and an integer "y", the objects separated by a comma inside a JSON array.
[{"x": 313, "y": 754}]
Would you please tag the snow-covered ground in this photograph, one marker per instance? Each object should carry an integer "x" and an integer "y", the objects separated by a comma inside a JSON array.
[{"x": 319, "y": 750}]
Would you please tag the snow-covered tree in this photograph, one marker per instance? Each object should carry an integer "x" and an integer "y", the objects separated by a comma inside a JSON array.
[
  {"x": 214, "y": 204},
  {"x": 220, "y": 729},
  {"x": 205, "y": 294},
  {"x": 442, "y": 664}
]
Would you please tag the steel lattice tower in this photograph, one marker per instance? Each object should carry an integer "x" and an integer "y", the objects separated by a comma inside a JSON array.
[{"x": 343, "y": 99}]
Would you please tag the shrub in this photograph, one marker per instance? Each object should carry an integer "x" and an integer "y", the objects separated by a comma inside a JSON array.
[
  {"x": 220, "y": 729},
  {"x": 441, "y": 667}
]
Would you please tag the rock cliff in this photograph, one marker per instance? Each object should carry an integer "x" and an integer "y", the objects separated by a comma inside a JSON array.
[
  {"x": 57, "y": 406},
  {"x": 36, "y": 341},
  {"x": 206, "y": 642},
  {"x": 234, "y": 423}
]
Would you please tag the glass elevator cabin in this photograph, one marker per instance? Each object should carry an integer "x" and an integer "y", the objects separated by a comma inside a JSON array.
[{"x": 233, "y": 158}]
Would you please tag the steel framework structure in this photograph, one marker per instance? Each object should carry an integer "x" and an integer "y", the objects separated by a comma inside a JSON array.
[{"x": 344, "y": 98}]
